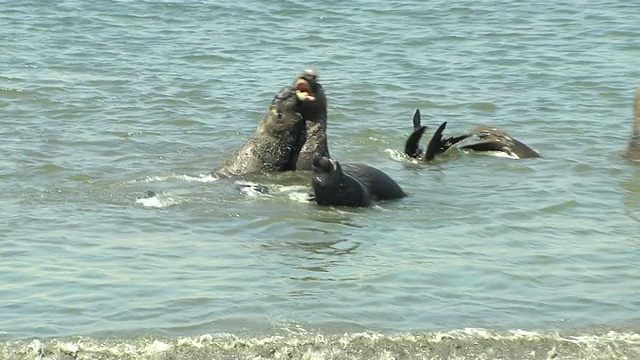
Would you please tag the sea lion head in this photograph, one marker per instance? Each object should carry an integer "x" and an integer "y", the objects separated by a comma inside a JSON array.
[
  {"x": 284, "y": 114},
  {"x": 278, "y": 140},
  {"x": 325, "y": 170},
  {"x": 332, "y": 187},
  {"x": 284, "y": 125},
  {"x": 307, "y": 86}
]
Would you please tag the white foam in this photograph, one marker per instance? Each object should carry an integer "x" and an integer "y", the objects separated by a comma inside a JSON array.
[
  {"x": 398, "y": 155},
  {"x": 69, "y": 349},
  {"x": 297, "y": 343},
  {"x": 296, "y": 193},
  {"x": 157, "y": 201},
  {"x": 157, "y": 347},
  {"x": 252, "y": 189},
  {"x": 208, "y": 177}
]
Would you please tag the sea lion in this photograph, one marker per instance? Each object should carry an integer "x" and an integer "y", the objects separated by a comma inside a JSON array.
[
  {"x": 633, "y": 150},
  {"x": 481, "y": 138},
  {"x": 354, "y": 185},
  {"x": 314, "y": 114},
  {"x": 276, "y": 144},
  {"x": 437, "y": 144}
]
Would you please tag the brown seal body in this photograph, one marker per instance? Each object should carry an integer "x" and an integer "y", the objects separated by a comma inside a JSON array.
[
  {"x": 481, "y": 138},
  {"x": 277, "y": 142},
  {"x": 314, "y": 114},
  {"x": 633, "y": 150},
  {"x": 489, "y": 138}
]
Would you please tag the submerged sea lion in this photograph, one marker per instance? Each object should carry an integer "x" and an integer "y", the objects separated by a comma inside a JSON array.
[
  {"x": 633, "y": 150},
  {"x": 354, "y": 185},
  {"x": 314, "y": 114},
  {"x": 481, "y": 138},
  {"x": 275, "y": 145}
]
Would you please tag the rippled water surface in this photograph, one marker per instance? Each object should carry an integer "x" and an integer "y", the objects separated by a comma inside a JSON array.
[{"x": 488, "y": 257}]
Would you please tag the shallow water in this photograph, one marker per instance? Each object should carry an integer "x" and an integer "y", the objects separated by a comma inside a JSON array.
[{"x": 487, "y": 258}]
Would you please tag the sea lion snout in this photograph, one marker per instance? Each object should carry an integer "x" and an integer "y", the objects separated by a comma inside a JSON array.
[
  {"x": 313, "y": 106},
  {"x": 304, "y": 89}
]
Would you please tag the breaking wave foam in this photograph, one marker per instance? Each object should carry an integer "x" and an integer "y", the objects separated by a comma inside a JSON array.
[
  {"x": 459, "y": 344},
  {"x": 153, "y": 179}
]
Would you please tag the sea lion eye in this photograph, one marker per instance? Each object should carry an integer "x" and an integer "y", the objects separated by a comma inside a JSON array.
[{"x": 280, "y": 115}]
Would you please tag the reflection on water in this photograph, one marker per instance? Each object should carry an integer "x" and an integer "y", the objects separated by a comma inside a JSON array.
[{"x": 632, "y": 195}]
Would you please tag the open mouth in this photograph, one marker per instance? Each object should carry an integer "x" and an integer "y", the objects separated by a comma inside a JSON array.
[{"x": 303, "y": 90}]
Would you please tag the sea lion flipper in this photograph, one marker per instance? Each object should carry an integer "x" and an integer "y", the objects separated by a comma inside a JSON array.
[
  {"x": 436, "y": 143},
  {"x": 416, "y": 120},
  {"x": 411, "y": 146},
  {"x": 450, "y": 141}
]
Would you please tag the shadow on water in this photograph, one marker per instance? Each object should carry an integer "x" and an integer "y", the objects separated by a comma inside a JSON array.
[{"x": 632, "y": 195}]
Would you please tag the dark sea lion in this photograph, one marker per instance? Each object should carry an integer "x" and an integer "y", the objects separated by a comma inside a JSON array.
[
  {"x": 488, "y": 138},
  {"x": 315, "y": 115},
  {"x": 437, "y": 144},
  {"x": 481, "y": 138},
  {"x": 275, "y": 145},
  {"x": 354, "y": 185},
  {"x": 633, "y": 150}
]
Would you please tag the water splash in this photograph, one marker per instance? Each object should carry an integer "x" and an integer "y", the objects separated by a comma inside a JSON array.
[
  {"x": 204, "y": 178},
  {"x": 153, "y": 200},
  {"x": 469, "y": 343}
]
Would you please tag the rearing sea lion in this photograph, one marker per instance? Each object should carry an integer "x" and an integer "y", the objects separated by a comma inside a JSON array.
[
  {"x": 633, "y": 150},
  {"x": 481, "y": 138},
  {"x": 314, "y": 114},
  {"x": 277, "y": 142}
]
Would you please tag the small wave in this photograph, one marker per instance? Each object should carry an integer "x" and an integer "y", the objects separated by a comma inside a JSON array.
[
  {"x": 200, "y": 178},
  {"x": 156, "y": 201},
  {"x": 296, "y": 193},
  {"x": 398, "y": 155},
  {"x": 253, "y": 189},
  {"x": 153, "y": 179},
  {"x": 300, "y": 344}
]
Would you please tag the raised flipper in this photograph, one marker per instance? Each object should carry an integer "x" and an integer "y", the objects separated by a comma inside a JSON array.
[
  {"x": 438, "y": 145},
  {"x": 416, "y": 120},
  {"x": 412, "y": 145}
]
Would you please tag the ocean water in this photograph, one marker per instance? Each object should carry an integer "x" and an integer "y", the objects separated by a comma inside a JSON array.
[{"x": 487, "y": 258}]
